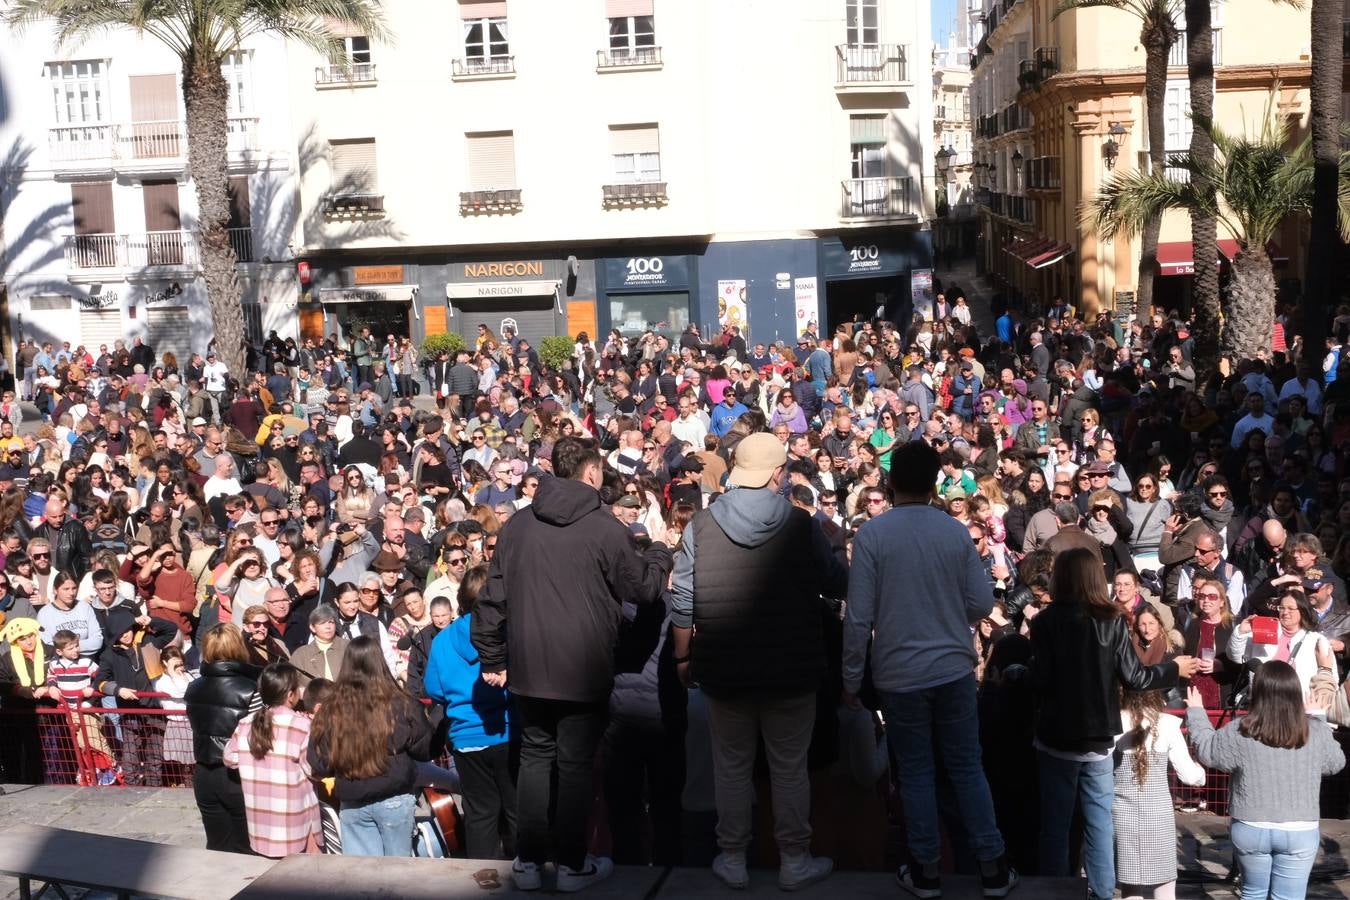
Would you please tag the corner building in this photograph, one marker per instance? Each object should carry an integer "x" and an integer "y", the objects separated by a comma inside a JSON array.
[{"x": 628, "y": 164}]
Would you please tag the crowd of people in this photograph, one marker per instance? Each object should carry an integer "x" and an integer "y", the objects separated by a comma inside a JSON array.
[{"x": 917, "y": 571}]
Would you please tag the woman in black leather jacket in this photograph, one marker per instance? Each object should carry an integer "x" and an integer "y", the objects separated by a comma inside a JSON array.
[
  {"x": 1082, "y": 657},
  {"x": 226, "y": 692}
]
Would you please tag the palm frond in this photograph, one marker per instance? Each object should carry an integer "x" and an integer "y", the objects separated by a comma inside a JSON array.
[{"x": 1129, "y": 199}]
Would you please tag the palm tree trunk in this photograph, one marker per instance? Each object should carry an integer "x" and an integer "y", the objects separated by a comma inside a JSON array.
[
  {"x": 1321, "y": 286},
  {"x": 1251, "y": 308},
  {"x": 1204, "y": 229},
  {"x": 1157, "y": 47},
  {"x": 206, "y": 99}
]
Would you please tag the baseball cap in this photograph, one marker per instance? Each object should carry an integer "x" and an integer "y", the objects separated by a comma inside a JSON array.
[
  {"x": 198, "y": 421},
  {"x": 1097, "y": 467},
  {"x": 1315, "y": 579},
  {"x": 756, "y": 458}
]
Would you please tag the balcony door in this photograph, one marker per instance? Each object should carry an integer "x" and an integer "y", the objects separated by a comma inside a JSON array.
[
  {"x": 154, "y": 117},
  {"x": 91, "y": 205},
  {"x": 869, "y": 163},
  {"x": 163, "y": 224}
]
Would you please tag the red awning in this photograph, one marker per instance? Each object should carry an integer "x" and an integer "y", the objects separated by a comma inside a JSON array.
[
  {"x": 1050, "y": 257},
  {"x": 1176, "y": 259},
  {"x": 1024, "y": 250},
  {"x": 1228, "y": 248}
]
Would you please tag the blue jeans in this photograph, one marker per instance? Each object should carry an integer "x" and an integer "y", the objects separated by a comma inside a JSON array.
[
  {"x": 381, "y": 828},
  {"x": 941, "y": 720},
  {"x": 1275, "y": 863},
  {"x": 1092, "y": 785}
]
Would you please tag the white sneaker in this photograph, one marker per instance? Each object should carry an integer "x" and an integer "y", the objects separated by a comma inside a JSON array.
[
  {"x": 798, "y": 871},
  {"x": 595, "y": 869},
  {"x": 525, "y": 875},
  {"x": 729, "y": 867}
]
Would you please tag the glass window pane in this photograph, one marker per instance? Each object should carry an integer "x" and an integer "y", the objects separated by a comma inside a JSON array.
[{"x": 664, "y": 313}]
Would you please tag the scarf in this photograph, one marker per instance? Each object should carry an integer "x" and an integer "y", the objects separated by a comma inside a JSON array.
[
  {"x": 1218, "y": 519},
  {"x": 1102, "y": 531},
  {"x": 15, "y": 630}
]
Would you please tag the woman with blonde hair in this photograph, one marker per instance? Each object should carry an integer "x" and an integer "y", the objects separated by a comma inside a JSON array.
[{"x": 993, "y": 491}]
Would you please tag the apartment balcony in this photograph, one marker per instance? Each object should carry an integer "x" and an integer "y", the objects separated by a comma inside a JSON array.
[
  {"x": 865, "y": 68},
  {"x": 635, "y": 59},
  {"x": 336, "y": 75},
  {"x": 1177, "y": 57},
  {"x": 119, "y": 253},
  {"x": 878, "y": 198},
  {"x": 353, "y": 206},
  {"x": 1013, "y": 118},
  {"x": 1042, "y": 173},
  {"x": 140, "y": 148},
  {"x": 483, "y": 68},
  {"x": 241, "y": 239},
  {"x": 1047, "y": 61},
  {"x": 488, "y": 203},
  {"x": 987, "y": 127},
  {"x": 634, "y": 195},
  {"x": 1019, "y": 209},
  {"x": 1028, "y": 75}
]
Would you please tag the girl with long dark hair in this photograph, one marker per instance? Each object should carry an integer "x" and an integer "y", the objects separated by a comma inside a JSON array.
[
  {"x": 268, "y": 748},
  {"x": 369, "y": 737},
  {"x": 1278, "y": 755}
]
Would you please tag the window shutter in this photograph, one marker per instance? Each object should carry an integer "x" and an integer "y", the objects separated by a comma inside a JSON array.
[
  {"x": 634, "y": 139},
  {"x": 615, "y": 9},
  {"x": 337, "y": 28},
  {"x": 154, "y": 98},
  {"x": 492, "y": 161},
  {"x": 867, "y": 130},
  {"x": 161, "y": 206},
  {"x": 482, "y": 9},
  {"x": 92, "y": 207},
  {"x": 353, "y": 165}
]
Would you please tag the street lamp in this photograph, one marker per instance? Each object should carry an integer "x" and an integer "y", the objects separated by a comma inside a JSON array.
[
  {"x": 1111, "y": 149},
  {"x": 944, "y": 161},
  {"x": 1017, "y": 160}
]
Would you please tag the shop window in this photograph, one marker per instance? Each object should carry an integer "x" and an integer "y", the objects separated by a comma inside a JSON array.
[{"x": 636, "y": 313}]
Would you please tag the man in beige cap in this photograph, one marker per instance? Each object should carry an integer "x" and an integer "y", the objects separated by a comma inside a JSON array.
[{"x": 750, "y": 578}]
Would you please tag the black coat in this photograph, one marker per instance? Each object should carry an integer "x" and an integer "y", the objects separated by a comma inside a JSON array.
[
  {"x": 215, "y": 703},
  {"x": 409, "y": 744},
  {"x": 1079, "y": 665},
  {"x": 71, "y": 547},
  {"x": 553, "y": 600}
]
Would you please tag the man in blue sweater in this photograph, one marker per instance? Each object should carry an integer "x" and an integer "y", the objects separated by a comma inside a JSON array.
[{"x": 915, "y": 588}]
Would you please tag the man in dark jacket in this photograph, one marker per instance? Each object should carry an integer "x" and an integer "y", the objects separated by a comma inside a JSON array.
[
  {"x": 750, "y": 577},
  {"x": 551, "y": 610},
  {"x": 69, "y": 539}
]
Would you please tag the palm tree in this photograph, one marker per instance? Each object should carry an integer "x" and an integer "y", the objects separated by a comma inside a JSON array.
[
  {"x": 1204, "y": 227},
  {"x": 202, "y": 33},
  {"x": 1321, "y": 288},
  {"x": 1157, "y": 33},
  {"x": 1251, "y": 187}
]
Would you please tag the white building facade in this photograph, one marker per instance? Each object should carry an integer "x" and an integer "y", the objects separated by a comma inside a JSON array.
[
  {"x": 622, "y": 164},
  {"x": 99, "y": 213}
]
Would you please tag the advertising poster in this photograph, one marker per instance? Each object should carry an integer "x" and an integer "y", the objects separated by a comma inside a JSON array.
[
  {"x": 807, "y": 303},
  {"x": 731, "y": 303},
  {"x": 921, "y": 292}
]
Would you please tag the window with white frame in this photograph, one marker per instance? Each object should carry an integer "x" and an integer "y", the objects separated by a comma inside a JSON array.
[
  {"x": 238, "y": 74},
  {"x": 79, "y": 91},
  {"x": 862, "y": 23},
  {"x": 353, "y": 50},
  {"x": 485, "y": 39},
  {"x": 1178, "y": 54},
  {"x": 636, "y": 153},
  {"x": 632, "y": 36},
  {"x": 1177, "y": 124}
]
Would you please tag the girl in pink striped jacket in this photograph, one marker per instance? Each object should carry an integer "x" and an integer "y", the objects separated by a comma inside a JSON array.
[{"x": 268, "y": 748}]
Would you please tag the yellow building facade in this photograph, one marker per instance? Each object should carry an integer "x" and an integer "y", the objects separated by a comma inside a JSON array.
[{"x": 1058, "y": 103}]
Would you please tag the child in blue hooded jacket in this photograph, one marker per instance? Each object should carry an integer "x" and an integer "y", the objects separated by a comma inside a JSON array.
[{"x": 480, "y": 733}]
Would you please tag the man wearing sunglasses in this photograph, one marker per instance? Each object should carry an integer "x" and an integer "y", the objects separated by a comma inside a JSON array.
[{"x": 67, "y": 539}]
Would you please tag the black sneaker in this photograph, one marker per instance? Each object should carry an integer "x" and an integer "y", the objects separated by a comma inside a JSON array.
[
  {"x": 913, "y": 879},
  {"x": 997, "y": 878}
]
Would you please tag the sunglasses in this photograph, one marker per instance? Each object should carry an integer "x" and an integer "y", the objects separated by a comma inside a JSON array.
[
  {"x": 370, "y": 590},
  {"x": 456, "y": 561},
  {"x": 1218, "y": 493},
  {"x": 262, "y": 624},
  {"x": 244, "y": 542},
  {"x": 266, "y": 522},
  {"x": 1208, "y": 595},
  {"x": 875, "y": 501},
  {"x": 41, "y": 556},
  {"x": 1062, "y": 496}
]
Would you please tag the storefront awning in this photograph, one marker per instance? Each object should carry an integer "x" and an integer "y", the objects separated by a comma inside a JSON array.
[
  {"x": 488, "y": 289},
  {"x": 1050, "y": 257},
  {"x": 388, "y": 293},
  {"x": 1025, "y": 250},
  {"x": 1228, "y": 248}
]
